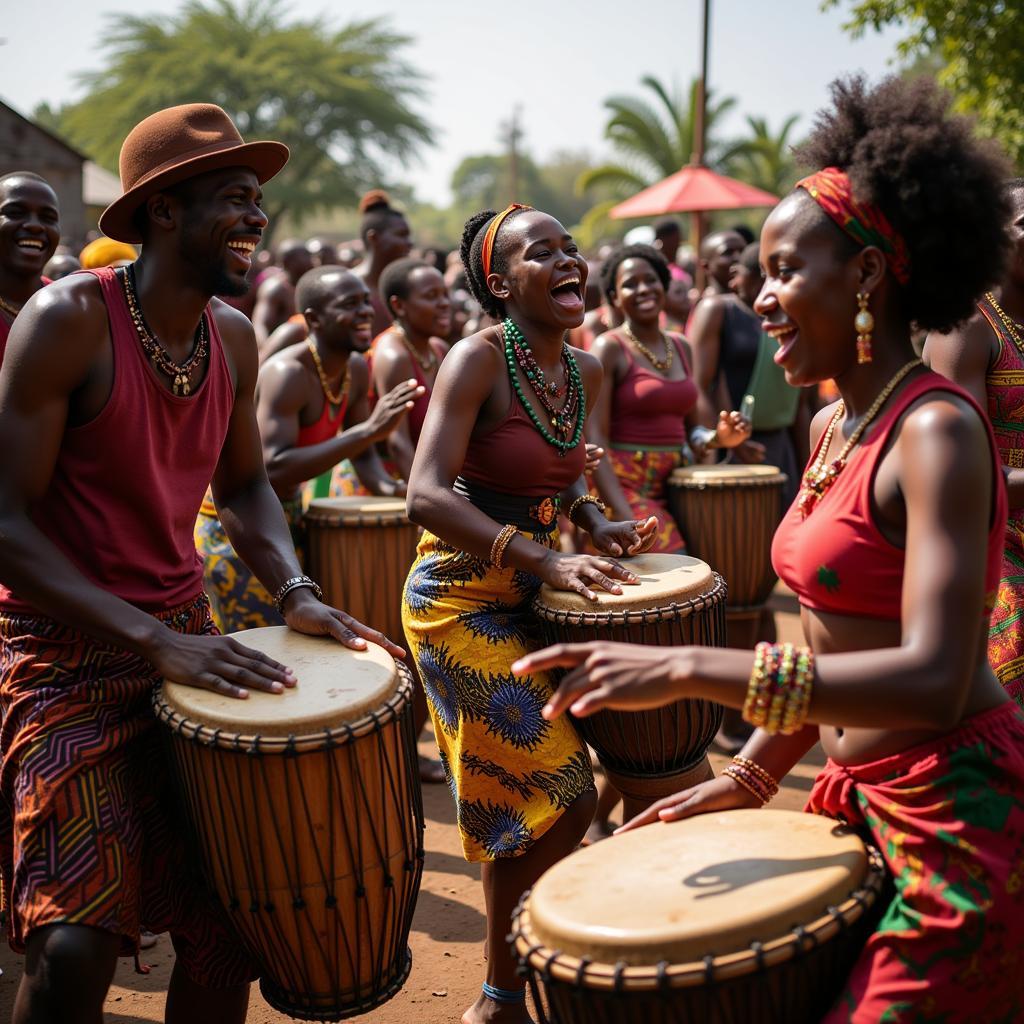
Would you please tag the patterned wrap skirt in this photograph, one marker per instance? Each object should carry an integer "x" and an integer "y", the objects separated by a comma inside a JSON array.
[
  {"x": 237, "y": 599},
  {"x": 948, "y": 817},
  {"x": 643, "y": 476},
  {"x": 512, "y": 774},
  {"x": 1006, "y": 627}
]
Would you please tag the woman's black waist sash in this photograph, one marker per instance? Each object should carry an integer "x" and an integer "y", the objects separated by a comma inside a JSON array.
[{"x": 530, "y": 514}]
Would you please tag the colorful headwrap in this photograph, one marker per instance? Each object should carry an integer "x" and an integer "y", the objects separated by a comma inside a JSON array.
[
  {"x": 863, "y": 222},
  {"x": 492, "y": 233},
  {"x": 106, "y": 252}
]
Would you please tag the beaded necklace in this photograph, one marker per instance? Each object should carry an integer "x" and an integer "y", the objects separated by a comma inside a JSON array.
[
  {"x": 335, "y": 398},
  {"x": 661, "y": 365},
  {"x": 180, "y": 373},
  {"x": 9, "y": 307},
  {"x": 428, "y": 364},
  {"x": 819, "y": 478},
  {"x": 517, "y": 353},
  {"x": 1008, "y": 322}
]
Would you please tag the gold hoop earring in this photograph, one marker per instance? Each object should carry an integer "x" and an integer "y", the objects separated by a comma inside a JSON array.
[{"x": 864, "y": 324}]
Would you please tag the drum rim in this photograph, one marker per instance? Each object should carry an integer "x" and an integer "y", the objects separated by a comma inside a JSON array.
[
  {"x": 688, "y": 483},
  {"x": 601, "y": 976},
  {"x": 718, "y": 594},
  {"x": 334, "y": 516},
  {"x": 254, "y": 743}
]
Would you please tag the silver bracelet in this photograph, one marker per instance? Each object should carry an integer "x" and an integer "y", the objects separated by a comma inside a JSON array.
[
  {"x": 294, "y": 584},
  {"x": 704, "y": 437}
]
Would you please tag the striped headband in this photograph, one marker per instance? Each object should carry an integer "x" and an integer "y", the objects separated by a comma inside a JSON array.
[
  {"x": 864, "y": 222},
  {"x": 492, "y": 232}
]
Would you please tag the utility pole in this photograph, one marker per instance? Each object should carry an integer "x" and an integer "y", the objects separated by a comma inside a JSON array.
[
  {"x": 698, "y": 133},
  {"x": 512, "y": 135}
]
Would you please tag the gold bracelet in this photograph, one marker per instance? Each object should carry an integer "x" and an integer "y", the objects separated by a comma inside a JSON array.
[
  {"x": 501, "y": 542},
  {"x": 585, "y": 499},
  {"x": 767, "y": 779},
  {"x": 736, "y": 774}
]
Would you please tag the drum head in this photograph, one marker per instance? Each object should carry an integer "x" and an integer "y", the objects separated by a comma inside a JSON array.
[
  {"x": 335, "y": 686},
  {"x": 361, "y": 510},
  {"x": 726, "y": 476},
  {"x": 664, "y": 580},
  {"x": 709, "y": 885}
]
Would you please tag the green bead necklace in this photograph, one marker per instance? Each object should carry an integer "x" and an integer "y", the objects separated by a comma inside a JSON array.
[{"x": 514, "y": 339}]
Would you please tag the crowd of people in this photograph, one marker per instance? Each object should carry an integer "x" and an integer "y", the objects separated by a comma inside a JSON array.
[{"x": 172, "y": 396}]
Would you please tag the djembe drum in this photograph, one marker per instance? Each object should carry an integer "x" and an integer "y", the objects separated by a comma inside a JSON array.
[
  {"x": 734, "y": 917},
  {"x": 679, "y": 601},
  {"x": 360, "y": 550},
  {"x": 307, "y": 817},
  {"x": 728, "y": 515}
]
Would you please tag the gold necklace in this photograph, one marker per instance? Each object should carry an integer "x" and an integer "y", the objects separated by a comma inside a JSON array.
[
  {"x": 9, "y": 307},
  {"x": 427, "y": 364},
  {"x": 334, "y": 399},
  {"x": 1008, "y": 322},
  {"x": 820, "y": 477},
  {"x": 662, "y": 365}
]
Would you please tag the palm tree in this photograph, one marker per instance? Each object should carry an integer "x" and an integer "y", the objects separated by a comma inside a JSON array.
[{"x": 765, "y": 160}]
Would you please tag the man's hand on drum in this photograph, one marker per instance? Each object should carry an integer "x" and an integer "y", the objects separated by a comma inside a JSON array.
[
  {"x": 625, "y": 537},
  {"x": 721, "y": 794},
  {"x": 579, "y": 573},
  {"x": 622, "y": 677},
  {"x": 305, "y": 614}
]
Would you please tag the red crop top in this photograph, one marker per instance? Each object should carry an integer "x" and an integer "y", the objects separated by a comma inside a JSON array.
[
  {"x": 514, "y": 459},
  {"x": 837, "y": 560},
  {"x": 647, "y": 409}
]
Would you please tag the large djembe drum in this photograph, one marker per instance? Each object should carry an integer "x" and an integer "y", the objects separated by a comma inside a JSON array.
[
  {"x": 678, "y": 602},
  {"x": 728, "y": 515},
  {"x": 360, "y": 550},
  {"x": 734, "y": 917},
  {"x": 307, "y": 817}
]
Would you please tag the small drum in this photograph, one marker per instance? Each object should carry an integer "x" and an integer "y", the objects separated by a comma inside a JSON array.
[
  {"x": 360, "y": 550},
  {"x": 308, "y": 819},
  {"x": 679, "y": 601},
  {"x": 734, "y": 917},
  {"x": 728, "y": 515}
]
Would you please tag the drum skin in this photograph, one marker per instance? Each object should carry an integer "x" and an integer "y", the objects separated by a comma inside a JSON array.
[
  {"x": 307, "y": 815},
  {"x": 360, "y": 550},
  {"x": 734, "y": 917},
  {"x": 728, "y": 515},
  {"x": 679, "y": 602}
]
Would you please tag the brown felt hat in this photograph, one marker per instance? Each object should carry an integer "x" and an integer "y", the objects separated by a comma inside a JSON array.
[{"x": 178, "y": 143}]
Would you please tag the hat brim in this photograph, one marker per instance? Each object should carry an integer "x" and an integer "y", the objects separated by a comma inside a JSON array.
[{"x": 264, "y": 158}]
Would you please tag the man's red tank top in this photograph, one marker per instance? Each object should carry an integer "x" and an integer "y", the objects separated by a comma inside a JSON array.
[
  {"x": 127, "y": 486},
  {"x": 514, "y": 459},
  {"x": 647, "y": 409},
  {"x": 325, "y": 427},
  {"x": 837, "y": 560}
]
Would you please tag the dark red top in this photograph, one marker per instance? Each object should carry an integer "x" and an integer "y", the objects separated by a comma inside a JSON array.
[
  {"x": 837, "y": 560},
  {"x": 418, "y": 413},
  {"x": 127, "y": 486},
  {"x": 647, "y": 409},
  {"x": 514, "y": 459},
  {"x": 325, "y": 427}
]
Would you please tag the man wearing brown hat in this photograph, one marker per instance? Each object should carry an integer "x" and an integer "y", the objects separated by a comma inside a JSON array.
[{"x": 122, "y": 394}]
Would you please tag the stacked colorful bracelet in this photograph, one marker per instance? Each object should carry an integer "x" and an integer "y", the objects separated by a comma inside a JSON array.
[
  {"x": 501, "y": 542},
  {"x": 752, "y": 777},
  {"x": 779, "y": 694}
]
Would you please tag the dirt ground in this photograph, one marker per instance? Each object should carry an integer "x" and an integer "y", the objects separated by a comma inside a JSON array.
[{"x": 448, "y": 928}]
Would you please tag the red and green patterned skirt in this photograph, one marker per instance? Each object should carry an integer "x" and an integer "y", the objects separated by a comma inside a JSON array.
[{"x": 643, "y": 476}]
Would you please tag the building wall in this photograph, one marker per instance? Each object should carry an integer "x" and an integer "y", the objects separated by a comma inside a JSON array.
[{"x": 23, "y": 147}]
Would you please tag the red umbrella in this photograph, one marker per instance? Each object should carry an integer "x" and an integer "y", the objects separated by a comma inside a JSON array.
[{"x": 693, "y": 189}]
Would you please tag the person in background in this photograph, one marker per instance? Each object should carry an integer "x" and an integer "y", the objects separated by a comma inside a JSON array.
[
  {"x": 61, "y": 264},
  {"x": 386, "y": 237},
  {"x": 275, "y": 298},
  {"x": 322, "y": 252},
  {"x": 718, "y": 252}
]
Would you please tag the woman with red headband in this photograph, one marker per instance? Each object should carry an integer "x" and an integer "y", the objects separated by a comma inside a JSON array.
[
  {"x": 500, "y": 453},
  {"x": 893, "y": 546}
]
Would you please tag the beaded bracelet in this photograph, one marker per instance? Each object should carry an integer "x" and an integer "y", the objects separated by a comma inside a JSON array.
[
  {"x": 783, "y": 685},
  {"x": 585, "y": 499},
  {"x": 748, "y": 781},
  {"x": 763, "y": 774},
  {"x": 799, "y": 698},
  {"x": 755, "y": 707},
  {"x": 779, "y": 692},
  {"x": 501, "y": 542},
  {"x": 294, "y": 584}
]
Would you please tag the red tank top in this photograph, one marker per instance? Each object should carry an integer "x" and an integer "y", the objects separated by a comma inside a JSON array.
[
  {"x": 127, "y": 486},
  {"x": 418, "y": 413},
  {"x": 647, "y": 409},
  {"x": 325, "y": 427},
  {"x": 514, "y": 459},
  {"x": 837, "y": 560}
]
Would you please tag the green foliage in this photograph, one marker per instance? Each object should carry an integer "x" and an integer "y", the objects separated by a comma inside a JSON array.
[
  {"x": 980, "y": 44},
  {"x": 765, "y": 160},
  {"x": 340, "y": 98}
]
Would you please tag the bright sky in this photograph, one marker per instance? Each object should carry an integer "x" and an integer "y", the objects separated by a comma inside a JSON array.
[{"x": 482, "y": 58}]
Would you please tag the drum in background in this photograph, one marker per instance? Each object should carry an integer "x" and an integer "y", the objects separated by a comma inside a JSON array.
[
  {"x": 728, "y": 516},
  {"x": 308, "y": 819},
  {"x": 679, "y": 601},
  {"x": 360, "y": 550},
  {"x": 735, "y": 917}
]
